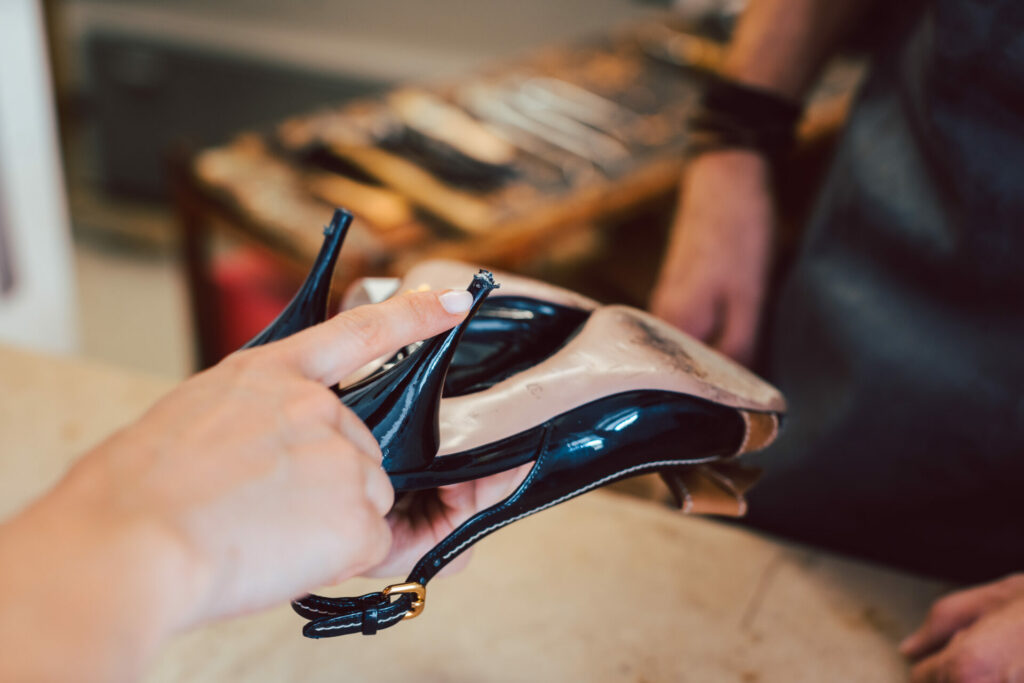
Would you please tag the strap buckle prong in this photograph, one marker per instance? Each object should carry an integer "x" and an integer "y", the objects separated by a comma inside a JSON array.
[{"x": 416, "y": 589}]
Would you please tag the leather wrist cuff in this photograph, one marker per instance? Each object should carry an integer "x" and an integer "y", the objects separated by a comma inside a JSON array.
[{"x": 736, "y": 116}]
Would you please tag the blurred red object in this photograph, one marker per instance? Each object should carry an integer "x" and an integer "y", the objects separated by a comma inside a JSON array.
[{"x": 250, "y": 289}]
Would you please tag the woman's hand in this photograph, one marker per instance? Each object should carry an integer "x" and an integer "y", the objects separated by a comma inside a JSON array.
[
  {"x": 971, "y": 636},
  {"x": 714, "y": 275},
  {"x": 247, "y": 485}
]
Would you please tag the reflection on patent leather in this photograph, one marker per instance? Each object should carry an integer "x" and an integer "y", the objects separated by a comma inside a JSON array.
[{"x": 589, "y": 394}]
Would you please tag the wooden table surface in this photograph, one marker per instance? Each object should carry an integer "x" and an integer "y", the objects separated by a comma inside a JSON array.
[{"x": 604, "y": 588}]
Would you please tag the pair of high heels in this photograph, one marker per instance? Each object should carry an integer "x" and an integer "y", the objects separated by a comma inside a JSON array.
[{"x": 589, "y": 394}]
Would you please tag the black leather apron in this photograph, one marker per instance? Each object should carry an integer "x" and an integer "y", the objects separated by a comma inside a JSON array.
[{"x": 899, "y": 334}]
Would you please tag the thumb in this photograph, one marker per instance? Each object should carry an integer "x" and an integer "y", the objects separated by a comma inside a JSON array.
[{"x": 330, "y": 351}]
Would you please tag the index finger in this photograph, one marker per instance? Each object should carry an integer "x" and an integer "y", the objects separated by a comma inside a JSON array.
[{"x": 332, "y": 350}]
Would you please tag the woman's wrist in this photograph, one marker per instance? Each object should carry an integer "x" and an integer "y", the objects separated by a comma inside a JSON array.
[{"x": 109, "y": 589}]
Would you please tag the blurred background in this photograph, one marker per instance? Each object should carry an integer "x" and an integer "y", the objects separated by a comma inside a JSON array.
[{"x": 167, "y": 165}]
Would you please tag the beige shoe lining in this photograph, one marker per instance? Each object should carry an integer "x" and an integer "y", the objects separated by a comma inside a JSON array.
[{"x": 619, "y": 349}]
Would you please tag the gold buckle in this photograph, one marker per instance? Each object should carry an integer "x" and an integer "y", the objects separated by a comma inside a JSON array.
[{"x": 417, "y": 589}]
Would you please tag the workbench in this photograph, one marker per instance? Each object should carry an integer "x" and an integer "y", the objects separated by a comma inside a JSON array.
[
  {"x": 603, "y": 588},
  {"x": 277, "y": 187}
]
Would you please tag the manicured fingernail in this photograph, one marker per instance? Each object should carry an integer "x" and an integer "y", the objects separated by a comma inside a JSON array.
[{"x": 456, "y": 301}]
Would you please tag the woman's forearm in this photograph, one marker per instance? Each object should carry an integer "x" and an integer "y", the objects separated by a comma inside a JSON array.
[{"x": 82, "y": 597}]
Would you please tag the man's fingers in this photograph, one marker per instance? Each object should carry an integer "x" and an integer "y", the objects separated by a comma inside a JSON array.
[
  {"x": 740, "y": 333},
  {"x": 330, "y": 351},
  {"x": 947, "y": 616},
  {"x": 694, "y": 312},
  {"x": 963, "y": 660},
  {"x": 929, "y": 670}
]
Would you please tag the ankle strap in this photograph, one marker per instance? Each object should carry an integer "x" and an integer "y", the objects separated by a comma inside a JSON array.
[
  {"x": 374, "y": 611},
  {"x": 366, "y": 614}
]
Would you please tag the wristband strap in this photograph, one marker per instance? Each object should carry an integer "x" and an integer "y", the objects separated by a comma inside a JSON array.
[{"x": 732, "y": 115}]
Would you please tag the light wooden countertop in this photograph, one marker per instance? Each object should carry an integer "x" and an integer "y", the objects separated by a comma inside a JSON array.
[{"x": 603, "y": 588}]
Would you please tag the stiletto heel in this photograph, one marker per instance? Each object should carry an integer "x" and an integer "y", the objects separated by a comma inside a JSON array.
[
  {"x": 401, "y": 401},
  {"x": 309, "y": 305}
]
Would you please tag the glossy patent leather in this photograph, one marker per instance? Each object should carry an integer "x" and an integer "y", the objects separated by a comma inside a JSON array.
[
  {"x": 309, "y": 305},
  {"x": 520, "y": 324},
  {"x": 591, "y": 395},
  {"x": 638, "y": 422},
  {"x": 507, "y": 335},
  {"x": 400, "y": 403}
]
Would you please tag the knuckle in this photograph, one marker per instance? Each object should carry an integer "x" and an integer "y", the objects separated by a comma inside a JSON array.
[
  {"x": 364, "y": 327},
  {"x": 319, "y": 402},
  {"x": 363, "y": 440},
  {"x": 417, "y": 309},
  {"x": 248, "y": 365},
  {"x": 351, "y": 522},
  {"x": 379, "y": 487},
  {"x": 337, "y": 471},
  {"x": 346, "y": 419},
  {"x": 254, "y": 357},
  {"x": 348, "y": 466},
  {"x": 238, "y": 362},
  {"x": 307, "y": 406}
]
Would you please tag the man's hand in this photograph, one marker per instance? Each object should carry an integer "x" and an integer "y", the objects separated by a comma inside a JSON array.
[
  {"x": 247, "y": 485},
  {"x": 714, "y": 275},
  {"x": 971, "y": 636},
  {"x": 713, "y": 279}
]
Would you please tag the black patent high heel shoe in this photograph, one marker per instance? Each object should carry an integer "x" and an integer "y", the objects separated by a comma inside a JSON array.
[
  {"x": 626, "y": 395},
  {"x": 309, "y": 305},
  {"x": 596, "y": 405}
]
